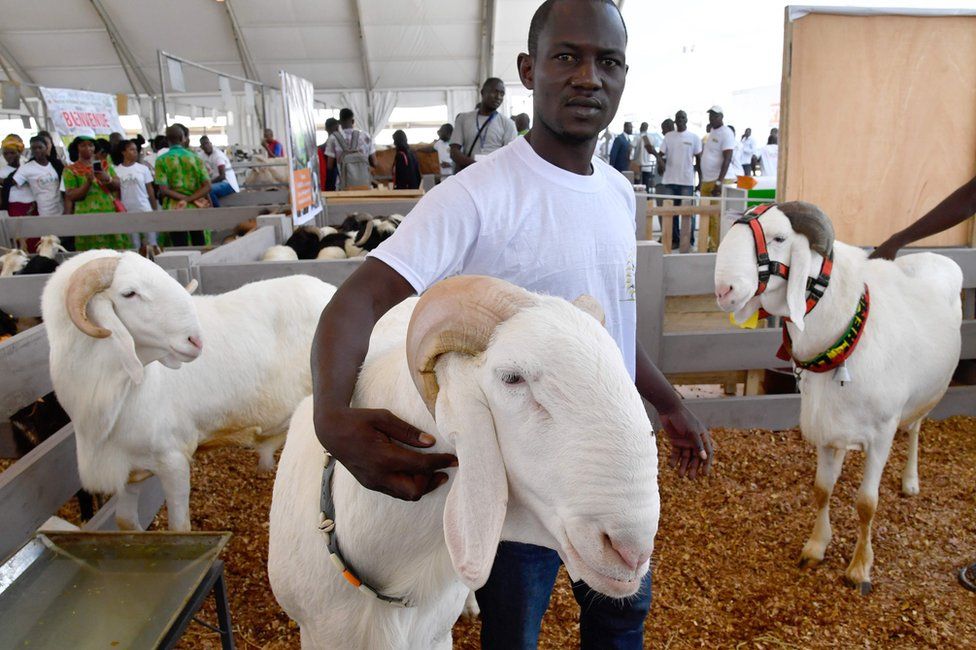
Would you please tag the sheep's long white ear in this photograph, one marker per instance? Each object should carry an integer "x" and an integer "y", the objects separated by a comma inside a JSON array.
[
  {"x": 476, "y": 505},
  {"x": 104, "y": 314},
  {"x": 796, "y": 285}
]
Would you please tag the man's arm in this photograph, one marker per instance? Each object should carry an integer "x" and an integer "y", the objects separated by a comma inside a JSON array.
[
  {"x": 365, "y": 440},
  {"x": 953, "y": 210},
  {"x": 691, "y": 445},
  {"x": 726, "y": 161},
  {"x": 460, "y": 160},
  {"x": 201, "y": 192},
  {"x": 221, "y": 174}
]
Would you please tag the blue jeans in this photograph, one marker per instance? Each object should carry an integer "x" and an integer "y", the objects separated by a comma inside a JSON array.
[
  {"x": 217, "y": 190},
  {"x": 516, "y": 597},
  {"x": 679, "y": 190}
]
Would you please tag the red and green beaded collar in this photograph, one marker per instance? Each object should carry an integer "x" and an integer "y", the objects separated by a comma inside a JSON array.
[{"x": 834, "y": 356}]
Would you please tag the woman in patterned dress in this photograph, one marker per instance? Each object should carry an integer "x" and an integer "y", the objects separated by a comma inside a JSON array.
[{"x": 87, "y": 192}]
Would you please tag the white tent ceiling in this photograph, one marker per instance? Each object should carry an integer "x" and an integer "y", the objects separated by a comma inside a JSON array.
[{"x": 408, "y": 44}]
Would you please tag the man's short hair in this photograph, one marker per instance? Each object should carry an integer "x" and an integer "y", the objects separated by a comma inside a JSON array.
[
  {"x": 331, "y": 122},
  {"x": 345, "y": 114},
  {"x": 541, "y": 17},
  {"x": 491, "y": 81},
  {"x": 447, "y": 126}
]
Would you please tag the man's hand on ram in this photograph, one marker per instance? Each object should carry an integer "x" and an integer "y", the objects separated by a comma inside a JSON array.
[
  {"x": 366, "y": 441},
  {"x": 692, "y": 450}
]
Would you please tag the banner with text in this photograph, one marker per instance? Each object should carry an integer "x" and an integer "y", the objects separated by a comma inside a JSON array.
[
  {"x": 79, "y": 112},
  {"x": 303, "y": 160}
]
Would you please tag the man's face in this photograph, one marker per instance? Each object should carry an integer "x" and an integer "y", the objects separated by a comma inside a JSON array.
[
  {"x": 443, "y": 134},
  {"x": 206, "y": 145},
  {"x": 628, "y": 128},
  {"x": 714, "y": 119},
  {"x": 667, "y": 126},
  {"x": 578, "y": 72},
  {"x": 492, "y": 96},
  {"x": 747, "y": 133},
  {"x": 681, "y": 120},
  {"x": 268, "y": 135},
  {"x": 643, "y": 127}
]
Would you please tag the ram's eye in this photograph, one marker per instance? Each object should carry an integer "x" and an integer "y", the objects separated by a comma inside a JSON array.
[
  {"x": 779, "y": 239},
  {"x": 129, "y": 294},
  {"x": 512, "y": 378}
]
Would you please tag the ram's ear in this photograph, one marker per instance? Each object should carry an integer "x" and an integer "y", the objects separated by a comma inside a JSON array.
[
  {"x": 101, "y": 308},
  {"x": 796, "y": 285},
  {"x": 478, "y": 499}
]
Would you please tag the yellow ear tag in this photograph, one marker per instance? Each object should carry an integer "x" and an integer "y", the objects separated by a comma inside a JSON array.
[{"x": 749, "y": 324}]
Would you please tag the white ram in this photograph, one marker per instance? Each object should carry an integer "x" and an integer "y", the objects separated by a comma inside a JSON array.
[
  {"x": 554, "y": 449},
  {"x": 897, "y": 373},
  {"x": 110, "y": 316}
]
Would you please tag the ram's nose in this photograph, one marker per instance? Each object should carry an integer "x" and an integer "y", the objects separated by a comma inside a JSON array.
[
  {"x": 631, "y": 555},
  {"x": 723, "y": 291},
  {"x": 195, "y": 342}
]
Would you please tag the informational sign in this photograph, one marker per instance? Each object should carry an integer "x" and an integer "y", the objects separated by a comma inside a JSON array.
[
  {"x": 303, "y": 161},
  {"x": 79, "y": 112}
]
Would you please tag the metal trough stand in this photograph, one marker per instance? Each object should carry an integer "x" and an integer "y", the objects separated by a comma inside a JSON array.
[{"x": 111, "y": 590}]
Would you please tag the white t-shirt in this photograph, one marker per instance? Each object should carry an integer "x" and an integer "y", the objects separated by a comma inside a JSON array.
[
  {"x": 517, "y": 217},
  {"x": 647, "y": 162},
  {"x": 18, "y": 193},
  {"x": 44, "y": 185},
  {"x": 499, "y": 131},
  {"x": 719, "y": 140},
  {"x": 443, "y": 150},
  {"x": 680, "y": 149},
  {"x": 769, "y": 159},
  {"x": 133, "y": 179},
  {"x": 748, "y": 150},
  {"x": 365, "y": 143},
  {"x": 214, "y": 161},
  {"x": 735, "y": 167}
]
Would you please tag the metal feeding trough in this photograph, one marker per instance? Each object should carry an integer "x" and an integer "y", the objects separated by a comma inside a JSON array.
[{"x": 106, "y": 590}]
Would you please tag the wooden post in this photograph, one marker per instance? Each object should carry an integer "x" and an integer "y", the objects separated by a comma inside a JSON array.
[{"x": 649, "y": 279}]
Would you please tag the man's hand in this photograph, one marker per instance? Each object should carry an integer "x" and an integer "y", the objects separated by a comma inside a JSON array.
[
  {"x": 717, "y": 189},
  {"x": 887, "y": 250},
  {"x": 365, "y": 442},
  {"x": 691, "y": 444}
]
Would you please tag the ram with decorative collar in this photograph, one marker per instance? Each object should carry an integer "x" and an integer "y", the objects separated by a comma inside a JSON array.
[
  {"x": 905, "y": 348},
  {"x": 554, "y": 448}
]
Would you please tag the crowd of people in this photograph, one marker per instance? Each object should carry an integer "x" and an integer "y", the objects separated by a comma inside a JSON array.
[{"x": 116, "y": 175}]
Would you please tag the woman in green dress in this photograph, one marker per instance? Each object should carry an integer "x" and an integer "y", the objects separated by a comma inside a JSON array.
[{"x": 87, "y": 191}]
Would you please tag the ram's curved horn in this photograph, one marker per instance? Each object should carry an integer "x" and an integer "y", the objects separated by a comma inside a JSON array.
[
  {"x": 367, "y": 233},
  {"x": 90, "y": 278},
  {"x": 809, "y": 220},
  {"x": 457, "y": 315},
  {"x": 192, "y": 285}
]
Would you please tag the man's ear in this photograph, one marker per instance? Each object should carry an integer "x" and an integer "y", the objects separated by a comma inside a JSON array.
[{"x": 526, "y": 68}]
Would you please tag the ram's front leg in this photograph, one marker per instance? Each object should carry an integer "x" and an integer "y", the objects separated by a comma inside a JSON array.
[
  {"x": 174, "y": 474},
  {"x": 829, "y": 463},
  {"x": 127, "y": 501},
  {"x": 858, "y": 574}
]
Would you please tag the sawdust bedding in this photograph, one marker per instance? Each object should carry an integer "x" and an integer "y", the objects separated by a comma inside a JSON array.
[{"x": 725, "y": 560}]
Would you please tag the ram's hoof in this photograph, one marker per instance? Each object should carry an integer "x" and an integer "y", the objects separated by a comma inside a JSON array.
[
  {"x": 807, "y": 562},
  {"x": 863, "y": 587}
]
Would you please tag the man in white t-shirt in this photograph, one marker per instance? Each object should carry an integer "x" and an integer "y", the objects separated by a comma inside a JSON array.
[
  {"x": 747, "y": 151},
  {"x": 479, "y": 132},
  {"x": 716, "y": 159},
  {"x": 769, "y": 155},
  {"x": 646, "y": 148},
  {"x": 40, "y": 176},
  {"x": 223, "y": 179},
  {"x": 442, "y": 147},
  {"x": 680, "y": 149},
  {"x": 526, "y": 215}
]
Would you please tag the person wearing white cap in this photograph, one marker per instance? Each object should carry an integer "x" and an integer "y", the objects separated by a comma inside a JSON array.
[{"x": 715, "y": 160}]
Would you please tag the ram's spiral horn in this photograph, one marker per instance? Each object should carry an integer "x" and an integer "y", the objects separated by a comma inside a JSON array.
[
  {"x": 807, "y": 219},
  {"x": 89, "y": 279}
]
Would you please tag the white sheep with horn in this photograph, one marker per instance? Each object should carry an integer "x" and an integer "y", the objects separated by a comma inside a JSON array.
[
  {"x": 554, "y": 448},
  {"x": 111, "y": 316},
  {"x": 876, "y": 352}
]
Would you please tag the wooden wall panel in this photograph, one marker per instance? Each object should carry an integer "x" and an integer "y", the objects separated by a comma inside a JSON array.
[{"x": 879, "y": 119}]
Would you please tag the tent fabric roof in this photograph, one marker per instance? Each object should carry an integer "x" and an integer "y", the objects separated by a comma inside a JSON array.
[{"x": 410, "y": 44}]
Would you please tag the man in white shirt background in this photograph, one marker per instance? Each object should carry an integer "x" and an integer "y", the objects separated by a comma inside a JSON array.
[
  {"x": 223, "y": 179},
  {"x": 543, "y": 214},
  {"x": 645, "y": 152},
  {"x": 715, "y": 160},
  {"x": 442, "y": 147},
  {"x": 747, "y": 152},
  {"x": 681, "y": 149},
  {"x": 769, "y": 154},
  {"x": 479, "y": 132}
]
